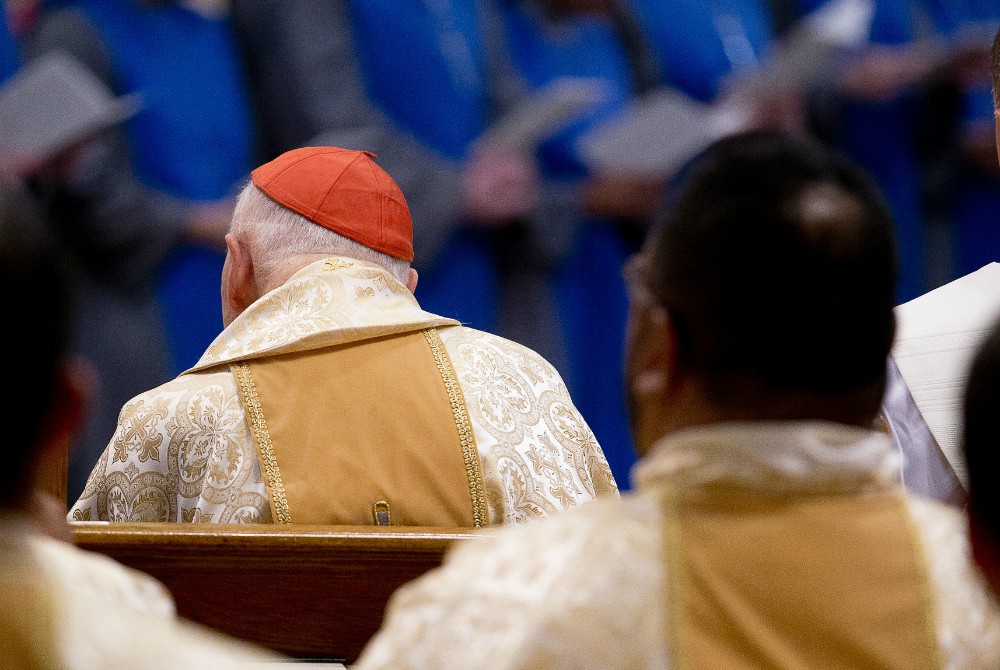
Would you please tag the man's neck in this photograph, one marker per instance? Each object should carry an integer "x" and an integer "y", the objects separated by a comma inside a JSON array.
[
  {"x": 283, "y": 271},
  {"x": 694, "y": 406}
]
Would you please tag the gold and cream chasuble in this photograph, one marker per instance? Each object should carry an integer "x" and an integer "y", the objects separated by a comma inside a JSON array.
[
  {"x": 778, "y": 546},
  {"x": 208, "y": 446}
]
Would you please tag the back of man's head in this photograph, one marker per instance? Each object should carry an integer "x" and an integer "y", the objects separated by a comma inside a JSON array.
[
  {"x": 323, "y": 201},
  {"x": 276, "y": 234},
  {"x": 777, "y": 267},
  {"x": 38, "y": 294}
]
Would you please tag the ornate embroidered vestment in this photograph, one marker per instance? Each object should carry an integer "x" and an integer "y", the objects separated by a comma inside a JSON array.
[
  {"x": 382, "y": 418},
  {"x": 186, "y": 451},
  {"x": 754, "y": 545}
]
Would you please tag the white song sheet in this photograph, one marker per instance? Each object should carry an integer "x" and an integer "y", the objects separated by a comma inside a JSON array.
[{"x": 937, "y": 336}]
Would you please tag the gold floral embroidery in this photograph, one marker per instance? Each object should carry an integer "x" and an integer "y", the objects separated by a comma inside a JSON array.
[
  {"x": 263, "y": 439},
  {"x": 195, "y": 515},
  {"x": 133, "y": 495},
  {"x": 465, "y": 435},
  {"x": 138, "y": 433},
  {"x": 538, "y": 454},
  {"x": 331, "y": 264},
  {"x": 205, "y": 441},
  {"x": 195, "y": 434}
]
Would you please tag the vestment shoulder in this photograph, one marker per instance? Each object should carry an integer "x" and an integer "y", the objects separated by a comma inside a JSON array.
[
  {"x": 550, "y": 593},
  {"x": 966, "y": 613}
]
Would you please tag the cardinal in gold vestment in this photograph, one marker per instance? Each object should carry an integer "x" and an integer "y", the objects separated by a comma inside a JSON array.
[{"x": 331, "y": 397}]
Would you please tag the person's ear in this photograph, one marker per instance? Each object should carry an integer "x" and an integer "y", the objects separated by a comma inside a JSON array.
[
  {"x": 652, "y": 375},
  {"x": 75, "y": 385},
  {"x": 411, "y": 281},
  {"x": 239, "y": 282},
  {"x": 652, "y": 359},
  {"x": 996, "y": 123},
  {"x": 985, "y": 550},
  {"x": 75, "y": 382}
]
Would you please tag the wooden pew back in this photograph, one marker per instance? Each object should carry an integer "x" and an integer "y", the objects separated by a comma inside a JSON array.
[{"x": 314, "y": 592}]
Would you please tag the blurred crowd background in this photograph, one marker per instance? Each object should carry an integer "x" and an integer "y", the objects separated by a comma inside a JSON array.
[{"x": 523, "y": 238}]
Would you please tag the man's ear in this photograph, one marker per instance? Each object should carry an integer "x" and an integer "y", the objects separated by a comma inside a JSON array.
[
  {"x": 653, "y": 376},
  {"x": 239, "y": 282},
  {"x": 658, "y": 369},
  {"x": 652, "y": 360},
  {"x": 985, "y": 550},
  {"x": 75, "y": 385},
  {"x": 411, "y": 281},
  {"x": 996, "y": 123}
]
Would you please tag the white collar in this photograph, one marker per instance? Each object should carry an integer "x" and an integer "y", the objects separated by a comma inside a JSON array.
[
  {"x": 329, "y": 302},
  {"x": 775, "y": 457}
]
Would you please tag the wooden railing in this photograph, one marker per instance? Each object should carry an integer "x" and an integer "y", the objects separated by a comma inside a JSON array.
[{"x": 312, "y": 592}]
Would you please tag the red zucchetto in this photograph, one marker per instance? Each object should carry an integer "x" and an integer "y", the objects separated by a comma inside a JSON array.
[{"x": 344, "y": 191}]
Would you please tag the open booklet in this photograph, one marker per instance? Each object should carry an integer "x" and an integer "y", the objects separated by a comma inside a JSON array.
[
  {"x": 652, "y": 137},
  {"x": 544, "y": 113},
  {"x": 938, "y": 334},
  {"x": 815, "y": 43},
  {"x": 50, "y": 105}
]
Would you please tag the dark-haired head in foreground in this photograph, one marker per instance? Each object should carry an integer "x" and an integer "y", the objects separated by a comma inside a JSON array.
[
  {"x": 765, "y": 294},
  {"x": 982, "y": 456},
  {"x": 43, "y": 402}
]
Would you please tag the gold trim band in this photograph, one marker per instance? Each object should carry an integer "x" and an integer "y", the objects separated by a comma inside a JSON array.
[
  {"x": 263, "y": 439},
  {"x": 932, "y": 651},
  {"x": 675, "y": 581},
  {"x": 465, "y": 435}
]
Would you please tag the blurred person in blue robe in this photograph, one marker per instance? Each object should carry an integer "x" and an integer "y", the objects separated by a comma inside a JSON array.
[
  {"x": 10, "y": 53},
  {"x": 875, "y": 103},
  {"x": 575, "y": 273},
  {"x": 881, "y": 125},
  {"x": 966, "y": 26},
  {"x": 700, "y": 42},
  {"x": 146, "y": 208}
]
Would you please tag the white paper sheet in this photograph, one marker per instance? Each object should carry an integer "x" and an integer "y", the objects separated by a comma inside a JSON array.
[
  {"x": 937, "y": 336},
  {"x": 544, "y": 113},
  {"x": 651, "y": 138},
  {"x": 50, "y": 105}
]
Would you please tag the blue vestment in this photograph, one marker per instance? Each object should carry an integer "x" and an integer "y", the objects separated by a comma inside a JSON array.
[
  {"x": 699, "y": 42},
  {"x": 10, "y": 55},
  {"x": 423, "y": 65},
  {"x": 586, "y": 283},
  {"x": 192, "y": 138},
  {"x": 976, "y": 236}
]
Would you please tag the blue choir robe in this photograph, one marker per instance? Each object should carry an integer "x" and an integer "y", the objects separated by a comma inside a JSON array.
[
  {"x": 584, "y": 284},
  {"x": 10, "y": 55},
  {"x": 976, "y": 235},
  {"x": 191, "y": 139},
  {"x": 424, "y": 66},
  {"x": 881, "y": 137},
  {"x": 699, "y": 42}
]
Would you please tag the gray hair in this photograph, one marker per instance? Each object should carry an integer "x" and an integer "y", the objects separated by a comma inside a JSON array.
[{"x": 276, "y": 233}]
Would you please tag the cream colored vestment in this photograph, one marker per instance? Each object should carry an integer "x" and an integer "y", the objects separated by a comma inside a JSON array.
[
  {"x": 63, "y": 608},
  {"x": 185, "y": 452},
  {"x": 612, "y": 585}
]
